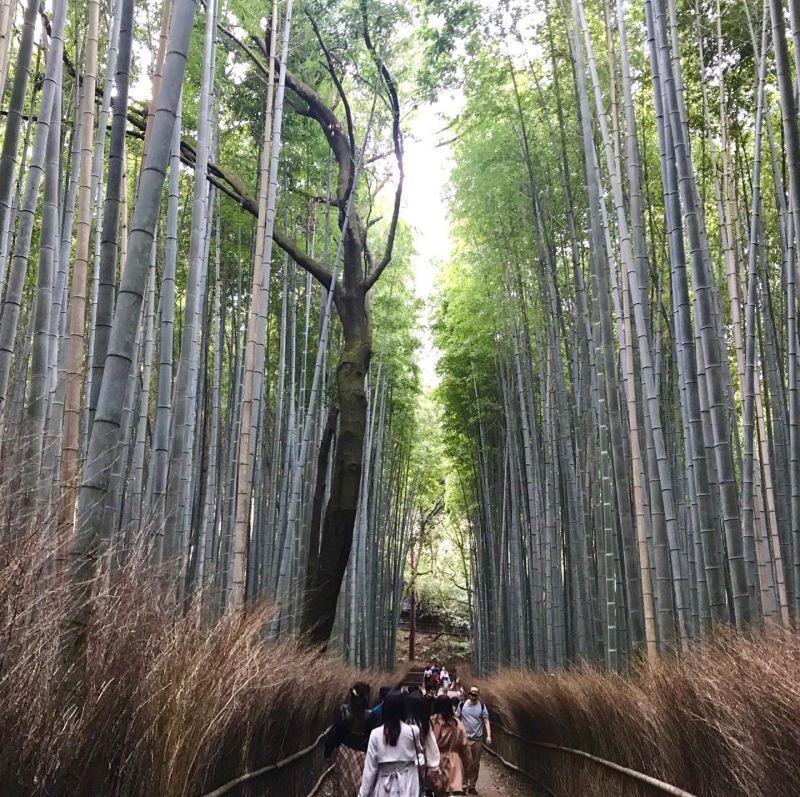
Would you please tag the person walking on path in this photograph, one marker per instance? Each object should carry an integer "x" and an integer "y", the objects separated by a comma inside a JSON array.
[
  {"x": 349, "y": 736},
  {"x": 377, "y": 712},
  {"x": 392, "y": 767},
  {"x": 427, "y": 679},
  {"x": 444, "y": 679},
  {"x": 419, "y": 716},
  {"x": 456, "y": 691},
  {"x": 475, "y": 717},
  {"x": 452, "y": 741}
]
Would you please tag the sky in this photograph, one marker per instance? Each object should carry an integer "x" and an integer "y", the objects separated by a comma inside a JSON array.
[{"x": 427, "y": 169}]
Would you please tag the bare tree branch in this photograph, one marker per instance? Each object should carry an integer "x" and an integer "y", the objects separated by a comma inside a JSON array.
[
  {"x": 233, "y": 186},
  {"x": 337, "y": 82},
  {"x": 397, "y": 138},
  {"x": 246, "y": 49},
  {"x": 305, "y": 261},
  {"x": 332, "y": 128}
]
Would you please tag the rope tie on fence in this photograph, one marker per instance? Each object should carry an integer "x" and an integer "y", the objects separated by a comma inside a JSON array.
[
  {"x": 232, "y": 784},
  {"x": 667, "y": 788}
]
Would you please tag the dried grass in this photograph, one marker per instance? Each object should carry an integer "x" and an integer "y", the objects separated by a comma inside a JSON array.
[
  {"x": 723, "y": 721},
  {"x": 171, "y": 707}
]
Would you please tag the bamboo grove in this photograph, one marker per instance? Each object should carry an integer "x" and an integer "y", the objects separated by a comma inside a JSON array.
[
  {"x": 209, "y": 340},
  {"x": 625, "y": 407},
  {"x": 171, "y": 383}
]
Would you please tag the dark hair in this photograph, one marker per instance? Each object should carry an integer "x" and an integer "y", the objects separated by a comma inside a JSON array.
[
  {"x": 358, "y": 696},
  {"x": 419, "y": 714},
  {"x": 383, "y": 691},
  {"x": 444, "y": 708},
  {"x": 357, "y": 706},
  {"x": 394, "y": 712}
]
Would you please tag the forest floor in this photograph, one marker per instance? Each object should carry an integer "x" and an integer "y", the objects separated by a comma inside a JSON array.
[{"x": 451, "y": 649}]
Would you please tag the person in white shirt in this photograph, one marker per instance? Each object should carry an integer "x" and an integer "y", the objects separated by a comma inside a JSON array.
[
  {"x": 394, "y": 752},
  {"x": 444, "y": 680},
  {"x": 456, "y": 690}
]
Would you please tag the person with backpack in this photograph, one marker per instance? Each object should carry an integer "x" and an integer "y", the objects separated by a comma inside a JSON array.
[
  {"x": 349, "y": 736},
  {"x": 392, "y": 765},
  {"x": 452, "y": 741},
  {"x": 475, "y": 718}
]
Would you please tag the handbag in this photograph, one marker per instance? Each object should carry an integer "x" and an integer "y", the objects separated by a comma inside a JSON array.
[
  {"x": 433, "y": 782},
  {"x": 430, "y": 780},
  {"x": 419, "y": 751}
]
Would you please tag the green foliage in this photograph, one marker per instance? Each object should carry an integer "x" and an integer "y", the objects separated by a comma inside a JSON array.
[
  {"x": 440, "y": 539},
  {"x": 440, "y": 602},
  {"x": 447, "y": 31},
  {"x": 396, "y": 318}
]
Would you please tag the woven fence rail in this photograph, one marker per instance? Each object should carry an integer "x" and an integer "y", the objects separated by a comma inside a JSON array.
[
  {"x": 301, "y": 773},
  {"x": 632, "y": 775}
]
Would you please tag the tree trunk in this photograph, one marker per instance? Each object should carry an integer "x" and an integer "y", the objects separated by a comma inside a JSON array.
[
  {"x": 178, "y": 493},
  {"x": 16, "y": 108},
  {"x": 114, "y": 187},
  {"x": 76, "y": 320},
  {"x": 19, "y": 262},
  {"x": 93, "y": 524},
  {"x": 337, "y": 532}
]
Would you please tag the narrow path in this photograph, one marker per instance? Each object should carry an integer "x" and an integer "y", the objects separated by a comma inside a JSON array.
[{"x": 495, "y": 780}]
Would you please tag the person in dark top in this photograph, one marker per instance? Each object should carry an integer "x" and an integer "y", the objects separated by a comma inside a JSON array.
[
  {"x": 377, "y": 712},
  {"x": 419, "y": 714},
  {"x": 349, "y": 736}
]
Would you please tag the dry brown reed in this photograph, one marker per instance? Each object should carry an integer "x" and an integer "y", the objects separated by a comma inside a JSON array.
[
  {"x": 170, "y": 705},
  {"x": 721, "y": 721}
]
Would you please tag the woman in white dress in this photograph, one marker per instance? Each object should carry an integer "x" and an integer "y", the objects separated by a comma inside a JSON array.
[{"x": 392, "y": 767}]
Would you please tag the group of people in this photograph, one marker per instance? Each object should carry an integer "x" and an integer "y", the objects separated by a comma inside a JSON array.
[
  {"x": 436, "y": 680},
  {"x": 413, "y": 743}
]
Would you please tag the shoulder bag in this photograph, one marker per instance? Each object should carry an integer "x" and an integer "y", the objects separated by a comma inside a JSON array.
[{"x": 430, "y": 779}]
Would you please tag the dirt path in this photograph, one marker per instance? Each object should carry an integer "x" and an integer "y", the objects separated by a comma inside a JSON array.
[{"x": 495, "y": 780}]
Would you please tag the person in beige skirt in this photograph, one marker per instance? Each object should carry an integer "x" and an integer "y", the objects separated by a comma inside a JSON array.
[{"x": 452, "y": 742}]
